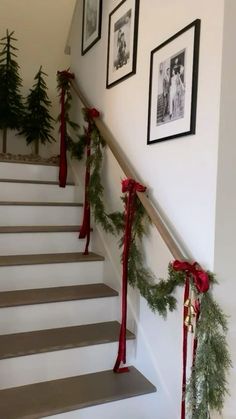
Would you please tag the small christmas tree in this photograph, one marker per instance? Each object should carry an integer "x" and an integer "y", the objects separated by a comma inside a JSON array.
[
  {"x": 11, "y": 105},
  {"x": 37, "y": 121}
]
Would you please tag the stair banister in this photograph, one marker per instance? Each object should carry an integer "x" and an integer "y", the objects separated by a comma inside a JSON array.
[{"x": 119, "y": 155}]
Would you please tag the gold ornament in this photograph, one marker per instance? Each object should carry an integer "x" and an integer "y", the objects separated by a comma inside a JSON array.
[
  {"x": 190, "y": 328},
  {"x": 188, "y": 322}
]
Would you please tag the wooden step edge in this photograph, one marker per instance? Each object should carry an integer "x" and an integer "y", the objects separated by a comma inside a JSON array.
[
  {"x": 41, "y": 204},
  {"x": 36, "y": 163},
  {"x": 49, "y": 258},
  {"x": 55, "y": 294},
  {"x": 64, "y": 395},
  {"x": 50, "y": 340},
  {"x": 39, "y": 229},
  {"x": 34, "y": 182}
]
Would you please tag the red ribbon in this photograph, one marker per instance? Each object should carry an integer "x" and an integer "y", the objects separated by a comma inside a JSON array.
[
  {"x": 131, "y": 187},
  {"x": 86, "y": 224},
  {"x": 200, "y": 277},
  {"x": 201, "y": 282},
  {"x": 63, "y": 161}
]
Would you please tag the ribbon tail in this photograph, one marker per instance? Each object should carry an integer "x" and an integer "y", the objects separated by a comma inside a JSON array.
[
  {"x": 185, "y": 348},
  {"x": 86, "y": 225},
  {"x": 63, "y": 160}
]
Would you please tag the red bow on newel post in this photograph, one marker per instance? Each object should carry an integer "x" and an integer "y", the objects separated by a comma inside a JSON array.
[
  {"x": 86, "y": 224},
  {"x": 191, "y": 310},
  {"x": 64, "y": 78},
  {"x": 130, "y": 187}
]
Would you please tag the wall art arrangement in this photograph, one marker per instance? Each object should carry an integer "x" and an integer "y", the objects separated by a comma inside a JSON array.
[
  {"x": 122, "y": 42},
  {"x": 173, "y": 85},
  {"x": 92, "y": 23}
]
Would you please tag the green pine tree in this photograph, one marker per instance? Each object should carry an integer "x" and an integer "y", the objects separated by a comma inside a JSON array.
[
  {"x": 11, "y": 104},
  {"x": 37, "y": 125}
]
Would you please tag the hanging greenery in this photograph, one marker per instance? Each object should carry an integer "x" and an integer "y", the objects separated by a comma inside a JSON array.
[
  {"x": 75, "y": 142},
  {"x": 207, "y": 386},
  {"x": 37, "y": 122},
  {"x": 11, "y": 102}
]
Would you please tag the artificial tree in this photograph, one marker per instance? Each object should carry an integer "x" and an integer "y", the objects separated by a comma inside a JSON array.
[
  {"x": 11, "y": 103},
  {"x": 37, "y": 122}
]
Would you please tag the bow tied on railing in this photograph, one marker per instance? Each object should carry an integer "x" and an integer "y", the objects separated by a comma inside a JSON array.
[
  {"x": 200, "y": 277},
  {"x": 92, "y": 113}
]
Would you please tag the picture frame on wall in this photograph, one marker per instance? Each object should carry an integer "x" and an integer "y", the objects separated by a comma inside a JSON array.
[
  {"x": 122, "y": 42},
  {"x": 173, "y": 85},
  {"x": 91, "y": 24}
]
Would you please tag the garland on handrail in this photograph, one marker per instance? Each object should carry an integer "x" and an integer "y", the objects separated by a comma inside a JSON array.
[{"x": 207, "y": 386}]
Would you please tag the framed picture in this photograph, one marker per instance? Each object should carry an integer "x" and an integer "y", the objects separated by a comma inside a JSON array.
[
  {"x": 173, "y": 86},
  {"x": 92, "y": 23},
  {"x": 122, "y": 42}
]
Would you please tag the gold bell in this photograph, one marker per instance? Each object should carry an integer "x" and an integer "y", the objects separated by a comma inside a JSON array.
[
  {"x": 192, "y": 311},
  {"x": 190, "y": 328},
  {"x": 187, "y": 321},
  {"x": 187, "y": 303}
]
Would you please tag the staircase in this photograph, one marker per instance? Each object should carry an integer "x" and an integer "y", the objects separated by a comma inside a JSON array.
[{"x": 58, "y": 321}]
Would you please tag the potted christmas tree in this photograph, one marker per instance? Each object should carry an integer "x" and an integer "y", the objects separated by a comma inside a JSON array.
[
  {"x": 37, "y": 125},
  {"x": 11, "y": 105}
]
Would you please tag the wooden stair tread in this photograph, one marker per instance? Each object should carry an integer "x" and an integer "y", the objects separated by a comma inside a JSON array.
[
  {"x": 59, "y": 396},
  {"x": 55, "y": 294},
  {"x": 16, "y": 260},
  {"x": 28, "y": 343},
  {"x": 39, "y": 229},
  {"x": 42, "y": 204},
  {"x": 36, "y": 163},
  {"x": 35, "y": 182}
]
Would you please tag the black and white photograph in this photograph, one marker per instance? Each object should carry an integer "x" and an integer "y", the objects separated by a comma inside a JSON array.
[
  {"x": 173, "y": 86},
  {"x": 122, "y": 42},
  {"x": 171, "y": 89},
  {"x": 91, "y": 27}
]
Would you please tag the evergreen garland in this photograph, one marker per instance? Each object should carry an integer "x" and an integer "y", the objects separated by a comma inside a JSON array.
[
  {"x": 207, "y": 386},
  {"x": 37, "y": 120},
  {"x": 11, "y": 103},
  {"x": 76, "y": 147}
]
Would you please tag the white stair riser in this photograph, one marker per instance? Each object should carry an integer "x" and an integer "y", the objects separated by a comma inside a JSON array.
[
  {"x": 33, "y": 243},
  {"x": 41, "y": 193},
  {"x": 14, "y": 215},
  {"x": 29, "y": 172},
  {"x": 54, "y": 315},
  {"x": 142, "y": 407},
  {"x": 50, "y": 275},
  {"x": 59, "y": 364}
]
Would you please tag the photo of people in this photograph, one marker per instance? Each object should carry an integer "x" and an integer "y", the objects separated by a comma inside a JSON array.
[
  {"x": 121, "y": 49},
  {"x": 171, "y": 89},
  {"x": 91, "y": 18}
]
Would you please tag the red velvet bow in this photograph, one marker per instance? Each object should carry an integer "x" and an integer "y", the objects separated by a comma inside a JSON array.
[
  {"x": 200, "y": 277},
  {"x": 129, "y": 185},
  {"x": 93, "y": 113},
  {"x": 66, "y": 74}
]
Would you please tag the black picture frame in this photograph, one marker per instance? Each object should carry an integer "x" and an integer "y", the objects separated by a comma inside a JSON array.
[
  {"x": 122, "y": 42},
  {"x": 91, "y": 24},
  {"x": 173, "y": 86}
]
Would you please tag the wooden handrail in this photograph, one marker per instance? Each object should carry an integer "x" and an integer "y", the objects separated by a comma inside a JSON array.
[{"x": 117, "y": 152}]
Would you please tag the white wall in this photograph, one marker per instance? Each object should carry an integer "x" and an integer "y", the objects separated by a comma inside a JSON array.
[
  {"x": 181, "y": 174},
  {"x": 226, "y": 194},
  {"x": 41, "y": 28}
]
